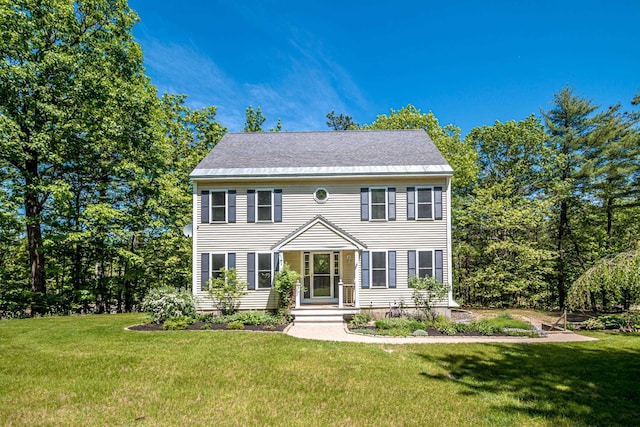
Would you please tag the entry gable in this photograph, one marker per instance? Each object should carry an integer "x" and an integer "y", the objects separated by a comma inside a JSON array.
[{"x": 318, "y": 234}]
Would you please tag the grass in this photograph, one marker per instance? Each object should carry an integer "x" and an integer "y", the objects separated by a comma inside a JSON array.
[{"x": 87, "y": 370}]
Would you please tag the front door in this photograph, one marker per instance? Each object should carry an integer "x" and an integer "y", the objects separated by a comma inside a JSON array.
[{"x": 321, "y": 276}]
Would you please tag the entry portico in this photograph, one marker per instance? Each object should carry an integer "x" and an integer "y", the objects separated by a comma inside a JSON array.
[{"x": 327, "y": 259}]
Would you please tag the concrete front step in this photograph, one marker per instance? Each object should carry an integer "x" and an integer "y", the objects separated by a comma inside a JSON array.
[{"x": 320, "y": 316}]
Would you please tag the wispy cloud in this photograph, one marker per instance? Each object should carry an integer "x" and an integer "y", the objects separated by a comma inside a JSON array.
[{"x": 306, "y": 85}]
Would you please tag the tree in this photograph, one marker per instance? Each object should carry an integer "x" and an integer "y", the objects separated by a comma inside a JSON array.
[
  {"x": 458, "y": 153},
  {"x": 502, "y": 258},
  {"x": 341, "y": 122},
  {"x": 569, "y": 123},
  {"x": 616, "y": 280},
  {"x": 71, "y": 84},
  {"x": 254, "y": 120}
]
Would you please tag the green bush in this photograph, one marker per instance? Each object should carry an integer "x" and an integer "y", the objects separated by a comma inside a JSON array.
[
  {"x": 256, "y": 318},
  {"x": 226, "y": 291},
  {"x": 284, "y": 283},
  {"x": 235, "y": 325},
  {"x": 166, "y": 303},
  {"x": 177, "y": 323},
  {"x": 359, "y": 320},
  {"x": 593, "y": 324},
  {"x": 420, "y": 333},
  {"x": 426, "y": 292},
  {"x": 613, "y": 322},
  {"x": 484, "y": 327}
]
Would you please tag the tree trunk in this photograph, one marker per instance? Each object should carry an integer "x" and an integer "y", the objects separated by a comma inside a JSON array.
[
  {"x": 561, "y": 261},
  {"x": 34, "y": 232}
]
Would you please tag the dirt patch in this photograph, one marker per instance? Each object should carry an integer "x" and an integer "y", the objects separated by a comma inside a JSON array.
[{"x": 202, "y": 326}]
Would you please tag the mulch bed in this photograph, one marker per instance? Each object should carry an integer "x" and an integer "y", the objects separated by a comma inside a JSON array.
[{"x": 198, "y": 326}]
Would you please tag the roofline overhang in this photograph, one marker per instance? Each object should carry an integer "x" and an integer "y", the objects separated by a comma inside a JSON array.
[{"x": 315, "y": 172}]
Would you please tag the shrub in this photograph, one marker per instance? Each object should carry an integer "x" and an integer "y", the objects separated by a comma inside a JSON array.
[
  {"x": 359, "y": 320},
  {"x": 484, "y": 327},
  {"x": 235, "y": 325},
  {"x": 226, "y": 291},
  {"x": 420, "y": 333},
  {"x": 256, "y": 318},
  {"x": 284, "y": 283},
  {"x": 593, "y": 324},
  {"x": 613, "y": 322},
  {"x": 165, "y": 303},
  {"x": 177, "y": 323},
  {"x": 426, "y": 291}
]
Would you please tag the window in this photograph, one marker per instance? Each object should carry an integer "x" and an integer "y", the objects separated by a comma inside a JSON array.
[
  {"x": 425, "y": 264},
  {"x": 217, "y": 264},
  {"x": 378, "y": 269},
  {"x": 378, "y": 203},
  {"x": 264, "y": 271},
  {"x": 321, "y": 195},
  {"x": 264, "y": 205},
  {"x": 211, "y": 266},
  {"x": 218, "y": 206},
  {"x": 424, "y": 203}
]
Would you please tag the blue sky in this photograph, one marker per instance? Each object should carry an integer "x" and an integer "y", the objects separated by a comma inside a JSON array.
[{"x": 470, "y": 62}]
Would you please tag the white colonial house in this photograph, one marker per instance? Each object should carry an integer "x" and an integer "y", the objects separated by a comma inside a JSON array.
[{"x": 355, "y": 213}]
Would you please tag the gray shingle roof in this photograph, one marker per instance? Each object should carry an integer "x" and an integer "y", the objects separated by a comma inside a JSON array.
[{"x": 323, "y": 153}]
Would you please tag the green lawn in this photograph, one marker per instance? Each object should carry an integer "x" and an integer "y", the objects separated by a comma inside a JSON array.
[{"x": 89, "y": 371}]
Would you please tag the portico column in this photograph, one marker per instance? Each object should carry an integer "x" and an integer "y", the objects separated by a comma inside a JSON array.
[{"x": 356, "y": 291}]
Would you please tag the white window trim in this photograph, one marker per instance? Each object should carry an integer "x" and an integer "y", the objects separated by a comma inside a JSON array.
[
  {"x": 270, "y": 190},
  {"x": 226, "y": 262},
  {"x": 433, "y": 261},
  {"x": 386, "y": 269},
  {"x": 257, "y": 272},
  {"x": 321, "y": 200},
  {"x": 386, "y": 204},
  {"x": 226, "y": 206},
  {"x": 433, "y": 203}
]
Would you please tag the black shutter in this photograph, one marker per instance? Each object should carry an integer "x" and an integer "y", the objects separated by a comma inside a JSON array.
[
  {"x": 204, "y": 271},
  {"x": 411, "y": 256},
  {"x": 231, "y": 200},
  {"x": 392, "y": 204},
  {"x": 277, "y": 205},
  {"x": 391, "y": 255},
  {"x": 439, "y": 275},
  {"x": 365, "y": 269},
  {"x": 251, "y": 205},
  {"x": 204, "y": 205},
  {"x": 231, "y": 260},
  {"x": 411, "y": 203},
  {"x": 251, "y": 270},
  {"x": 437, "y": 195},
  {"x": 364, "y": 204}
]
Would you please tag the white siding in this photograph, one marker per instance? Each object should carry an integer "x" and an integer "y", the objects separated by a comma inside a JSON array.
[{"x": 343, "y": 210}]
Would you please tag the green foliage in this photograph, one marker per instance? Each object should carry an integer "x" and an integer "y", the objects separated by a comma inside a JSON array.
[
  {"x": 177, "y": 323},
  {"x": 226, "y": 291},
  {"x": 420, "y": 333},
  {"x": 256, "y": 318},
  {"x": 613, "y": 280},
  {"x": 341, "y": 122},
  {"x": 360, "y": 319},
  {"x": 426, "y": 292},
  {"x": 166, "y": 303},
  {"x": 593, "y": 324},
  {"x": 254, "y": 120},
  {"x": 235, "y": 325},
  {"x": 284, "y": 283}
]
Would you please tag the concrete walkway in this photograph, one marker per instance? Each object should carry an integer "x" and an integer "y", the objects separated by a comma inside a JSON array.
[{"x": 337, "y": 332}]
